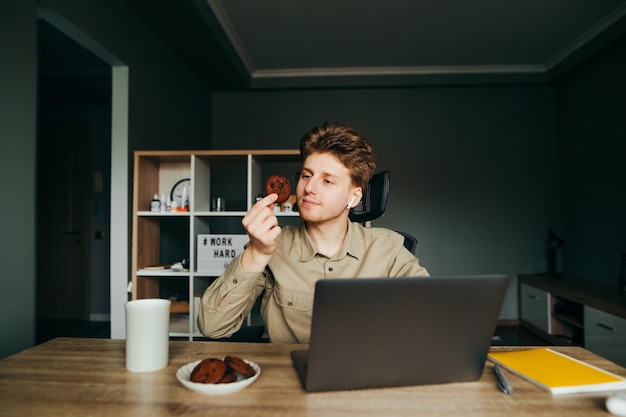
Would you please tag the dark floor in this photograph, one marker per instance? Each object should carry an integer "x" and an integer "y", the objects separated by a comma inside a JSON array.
[{"x": 49, "y": 329}]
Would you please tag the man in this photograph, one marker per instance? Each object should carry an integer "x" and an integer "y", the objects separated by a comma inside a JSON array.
[{"x": 283, "y": 264}]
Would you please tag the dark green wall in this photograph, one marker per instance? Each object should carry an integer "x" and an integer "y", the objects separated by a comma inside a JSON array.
[
  {"x": 473, "y": 169},
  {"x": 592, "y": 128},
  {"x": 17, "y": 174}
]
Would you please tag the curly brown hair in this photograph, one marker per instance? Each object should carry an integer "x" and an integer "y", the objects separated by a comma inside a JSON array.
[{"x": 345, "y": 143}]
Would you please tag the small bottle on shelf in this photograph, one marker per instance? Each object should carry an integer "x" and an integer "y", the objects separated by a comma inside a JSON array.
[
  {"x": 184, "y": 200},
  {"x": 155, "y": 204}
]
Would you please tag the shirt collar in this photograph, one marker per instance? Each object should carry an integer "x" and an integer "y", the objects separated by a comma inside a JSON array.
[{"x": 353, "y": 245}]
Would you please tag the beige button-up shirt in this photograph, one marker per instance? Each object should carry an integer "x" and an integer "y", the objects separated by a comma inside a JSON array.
[{"x": 287, "y": 283}]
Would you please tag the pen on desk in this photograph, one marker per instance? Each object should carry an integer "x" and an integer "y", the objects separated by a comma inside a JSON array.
[{"x": 503, "y": 382}]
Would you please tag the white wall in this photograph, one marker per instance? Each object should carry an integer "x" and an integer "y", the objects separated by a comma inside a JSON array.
[{"x": 474, "y": 171}]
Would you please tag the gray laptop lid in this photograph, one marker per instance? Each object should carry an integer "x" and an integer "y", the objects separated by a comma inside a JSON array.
[{"x": 386, "y": 332}]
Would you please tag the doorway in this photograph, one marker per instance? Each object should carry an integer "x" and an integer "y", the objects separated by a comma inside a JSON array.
[
  {"x": 63, "y": 220},
  {"x": 74, "y": 159}
]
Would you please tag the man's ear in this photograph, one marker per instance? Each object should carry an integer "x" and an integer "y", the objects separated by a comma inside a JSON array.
[{"x": 355, "y": 198}]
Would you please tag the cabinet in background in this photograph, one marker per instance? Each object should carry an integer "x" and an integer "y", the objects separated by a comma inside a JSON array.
[
  {"x": 605, "y": 334},
  {"x": 162, "y": 238},
  {"x": 569, "y": 311},
  {"x": 535, "y": 305}
]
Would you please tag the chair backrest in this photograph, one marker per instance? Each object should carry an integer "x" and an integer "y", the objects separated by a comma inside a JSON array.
[
  {"x": 410, "y": 242},
  {"x": 373, "y": 204},
  {"x": 374, "y": 201}
]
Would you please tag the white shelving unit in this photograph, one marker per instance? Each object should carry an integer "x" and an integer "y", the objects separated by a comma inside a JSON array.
[{"x": 163, "y": 238}]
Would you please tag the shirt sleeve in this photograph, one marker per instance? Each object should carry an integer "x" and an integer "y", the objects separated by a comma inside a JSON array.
[
  {"x": 228, "y": 300},
  {"x": 407, "y": 265}
]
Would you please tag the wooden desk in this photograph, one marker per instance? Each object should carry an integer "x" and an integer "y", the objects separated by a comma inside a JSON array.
[{"x": 87, "y": 377}]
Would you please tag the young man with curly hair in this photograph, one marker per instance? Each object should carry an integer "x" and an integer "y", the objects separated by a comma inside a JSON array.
[{"x": 283, "y": 264}]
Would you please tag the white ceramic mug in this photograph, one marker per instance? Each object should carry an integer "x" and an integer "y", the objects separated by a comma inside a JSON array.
[{"x": 147, "y": 334}]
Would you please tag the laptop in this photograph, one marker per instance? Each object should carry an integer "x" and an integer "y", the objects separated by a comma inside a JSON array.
[{"x": 389, "y": 332}]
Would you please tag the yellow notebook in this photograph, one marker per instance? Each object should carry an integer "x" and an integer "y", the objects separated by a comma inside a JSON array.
[{"x": 556, "y": 372}]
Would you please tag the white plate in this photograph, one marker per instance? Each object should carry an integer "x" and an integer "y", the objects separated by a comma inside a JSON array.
[{"x": 184, "y": 373}]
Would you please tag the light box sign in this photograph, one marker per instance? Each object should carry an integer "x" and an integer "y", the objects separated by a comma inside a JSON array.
[{"x": 215, "y": 251}]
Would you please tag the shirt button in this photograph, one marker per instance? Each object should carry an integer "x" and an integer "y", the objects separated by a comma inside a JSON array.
[
  {"x": 234, "y": 280},
  {"x": 289, "y": 303},
  {"x": 330, "y": 269}
]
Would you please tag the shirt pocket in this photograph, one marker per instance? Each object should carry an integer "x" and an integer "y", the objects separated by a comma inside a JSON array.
[{"x": 294, "y": 300}]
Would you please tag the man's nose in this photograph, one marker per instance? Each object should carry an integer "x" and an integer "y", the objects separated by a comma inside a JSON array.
[{"x": 311, "y": 186}]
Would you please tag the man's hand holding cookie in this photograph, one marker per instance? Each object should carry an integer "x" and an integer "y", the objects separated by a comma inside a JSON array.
[
  {"x": 261, "y": 224},
  {"x": 262, "y": 227}
]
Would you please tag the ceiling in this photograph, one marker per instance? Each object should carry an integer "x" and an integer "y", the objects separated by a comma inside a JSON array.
[
  {"x": 273, "y": 44},
  {"x": 360, "y": 43}
]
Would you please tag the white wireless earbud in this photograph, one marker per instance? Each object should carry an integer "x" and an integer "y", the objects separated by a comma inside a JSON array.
[{"x": 350, "y": 203}]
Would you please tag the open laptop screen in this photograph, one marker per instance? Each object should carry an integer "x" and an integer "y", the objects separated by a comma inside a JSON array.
[{"x": 383, "y": 332}]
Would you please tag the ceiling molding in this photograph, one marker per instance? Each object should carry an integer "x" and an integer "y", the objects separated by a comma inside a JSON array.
[
  {"x": 573, "y": 53},
  {"x": 386, "y": 71},
  {"x": 614, "y": 19},
  {"x": 231, "y": 34},
  {"x": 398, "y": 76}
]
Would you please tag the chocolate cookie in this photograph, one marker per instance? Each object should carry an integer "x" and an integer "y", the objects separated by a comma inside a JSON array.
[
  {"x": 209, "y": 371},
  {"x": 279, "y": 185},
  {"x": 240, "y": 366}
]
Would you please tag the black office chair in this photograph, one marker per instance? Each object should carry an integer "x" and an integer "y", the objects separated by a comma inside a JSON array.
[
  {"x": 374, "y": 201},
  {"x": 410, "y": 242},
  {"x": 373, "y": 204}
]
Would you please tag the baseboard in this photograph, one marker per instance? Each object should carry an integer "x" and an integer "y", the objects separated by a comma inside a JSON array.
[
  {"x": 99, "y": 317},
  {"x": 508, "y": 322}
]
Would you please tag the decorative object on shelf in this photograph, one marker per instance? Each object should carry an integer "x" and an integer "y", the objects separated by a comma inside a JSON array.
[
  {"x": 177, "y": 191},
  {"x": 279, "y": 185},
  {"x": 215, "y": 251},
  {"x": 553, "y": 244},
  {"x": 290, "y": 205}
]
